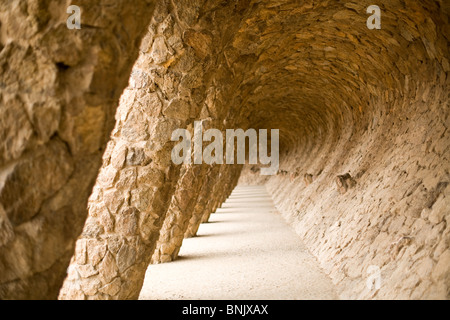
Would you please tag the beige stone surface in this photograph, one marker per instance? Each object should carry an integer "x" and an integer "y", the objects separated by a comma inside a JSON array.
[{"x": 88, "y": 190}]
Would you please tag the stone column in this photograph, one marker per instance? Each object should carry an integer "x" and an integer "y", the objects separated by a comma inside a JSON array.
[
  {"x": 59, "y": 93},
  {"x": 138, "y": 178},
  {"x": 226, "y": 182},
  {"x": 235, "y": 179},
  {"x": 128, "y": 205},
  {"x": 215, "y": 195},
  {"x": 179, "y": 214},
  {"x": 202, "y": 202}
]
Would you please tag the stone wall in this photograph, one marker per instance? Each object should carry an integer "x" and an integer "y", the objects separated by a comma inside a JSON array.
[
  {"x": 59, "y": 90},
  {"x": 366, "y": 185}
]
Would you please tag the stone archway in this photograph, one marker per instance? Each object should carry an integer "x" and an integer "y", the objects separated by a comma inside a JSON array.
[{"x": 363, "y": 119}]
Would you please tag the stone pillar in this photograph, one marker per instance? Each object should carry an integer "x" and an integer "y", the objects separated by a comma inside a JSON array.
[
  {"x": 202, "y": 202},
  {"x": 226, "y": 181},
  {"x": 180, "y": 212},
  {"x": 59, "y": 93},
  {"x": 138, "y": 178},
  {"x": 234, "y": 179},
  {"x": 178, "y": 218},
  {"x": 215, "y": 195},
  {"x": 127, "y": 207}
]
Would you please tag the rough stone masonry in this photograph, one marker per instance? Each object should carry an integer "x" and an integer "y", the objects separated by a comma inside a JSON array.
[{"x": 88, "y": 191}]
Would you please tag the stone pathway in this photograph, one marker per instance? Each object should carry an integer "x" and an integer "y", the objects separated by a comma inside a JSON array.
[{"x": 246, "y": 251}]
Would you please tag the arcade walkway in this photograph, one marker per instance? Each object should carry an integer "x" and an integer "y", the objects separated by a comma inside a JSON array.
[{"x": 246, "y": 251}]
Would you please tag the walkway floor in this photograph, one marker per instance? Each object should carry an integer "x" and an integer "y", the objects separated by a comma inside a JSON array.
[{"x": 246, "y": 251}]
